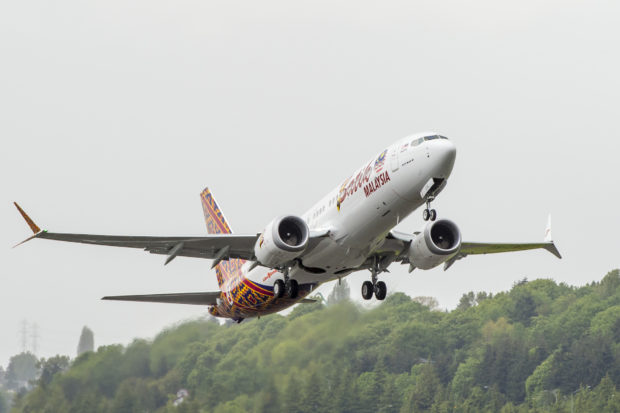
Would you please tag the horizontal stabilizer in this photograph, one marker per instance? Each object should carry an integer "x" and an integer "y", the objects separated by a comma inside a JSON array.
[{"x": 207, "y": 298}]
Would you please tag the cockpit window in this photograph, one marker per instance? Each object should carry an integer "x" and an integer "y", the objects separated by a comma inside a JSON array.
[
  {"x": 416, "y": 142},
  {"x": 442, "y": 137},
  {"x": 430, "y": 138}
]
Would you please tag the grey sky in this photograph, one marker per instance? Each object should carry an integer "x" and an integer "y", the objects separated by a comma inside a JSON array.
[{"x": 115, "y": 114}]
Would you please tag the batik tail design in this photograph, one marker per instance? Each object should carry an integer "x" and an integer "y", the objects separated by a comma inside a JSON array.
[{"x": 216, "y": 224}]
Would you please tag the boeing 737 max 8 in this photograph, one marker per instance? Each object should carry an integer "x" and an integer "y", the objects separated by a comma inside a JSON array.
[{"x": 350, "y": 229}]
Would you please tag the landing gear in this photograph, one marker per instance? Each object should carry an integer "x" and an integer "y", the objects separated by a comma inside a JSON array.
[
  {"x": 429, "y": 213},
  {"x": 291, "y": 288},
  {"x": 367, "y": 290},
  {"x": 278, "y": 289},
  {"x": 378, "y": 288},
  {"x": 380, "y": 291}
]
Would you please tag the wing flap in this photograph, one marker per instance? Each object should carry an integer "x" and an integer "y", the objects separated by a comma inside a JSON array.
[{"x": 205, "y": 298}]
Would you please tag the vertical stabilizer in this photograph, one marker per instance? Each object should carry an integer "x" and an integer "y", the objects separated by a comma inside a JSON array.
[{"x": 216, "y": 224}]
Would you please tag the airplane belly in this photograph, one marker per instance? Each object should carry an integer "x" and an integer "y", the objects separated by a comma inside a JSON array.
[{"x": 333, "y": 256}]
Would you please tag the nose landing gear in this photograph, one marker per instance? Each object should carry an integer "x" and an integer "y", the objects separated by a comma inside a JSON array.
[
  {"x": 429, "y": 213},
  {"x": 377, "y": 287}
]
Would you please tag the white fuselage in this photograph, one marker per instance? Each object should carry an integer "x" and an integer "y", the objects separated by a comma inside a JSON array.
[{"x": 365, "y": 207}]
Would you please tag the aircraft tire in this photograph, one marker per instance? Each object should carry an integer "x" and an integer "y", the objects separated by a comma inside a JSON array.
[
  {"x": 367, "y": 290},
  {"x": 433, "y": 215},
  {"x": 426, "y": 215},
  {"x": 278, "y": 289},
  {"x": 380, "y": 291},
  {"x": 291, "y": 288}
]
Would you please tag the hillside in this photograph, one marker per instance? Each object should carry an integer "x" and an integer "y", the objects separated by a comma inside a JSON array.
[{"x": 539, "y": 347}]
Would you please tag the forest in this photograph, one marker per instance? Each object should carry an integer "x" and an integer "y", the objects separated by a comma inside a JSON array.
[{"x": 540, "y": 347}]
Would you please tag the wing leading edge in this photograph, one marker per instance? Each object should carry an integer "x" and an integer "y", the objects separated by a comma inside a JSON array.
[
  {"x": 215, "y": 246},
  {"x": 396, "y": 244}
]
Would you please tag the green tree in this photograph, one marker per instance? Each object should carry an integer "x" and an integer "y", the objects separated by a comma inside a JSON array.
[
  {"x": 427, "y": 385},
  {"x": 563, "y": 351},
  {"x": 311, "y": 397},
  {"x": 4, "y": 405},
  {"x": 21, "y": 370},
  {"x": 50, "y": 367},
  {"x": 524, "y": 306},
  {"x": 291, "y": 397},
  {"x": 269, "y": 399}
]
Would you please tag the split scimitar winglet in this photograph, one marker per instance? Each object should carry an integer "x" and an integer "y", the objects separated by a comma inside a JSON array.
[{"x": 34, "y": 227}]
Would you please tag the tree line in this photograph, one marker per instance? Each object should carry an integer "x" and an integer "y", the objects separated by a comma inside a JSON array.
[{"x": 540, "y": 347}]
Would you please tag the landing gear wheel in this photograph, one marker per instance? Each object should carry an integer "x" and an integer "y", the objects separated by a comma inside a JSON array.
[
  {"x": 278, "y": 289},
  {"x": 426, "y": 215},
  {"x": 367, "y": 290},
  {"x": 433, "y": 215},
  {"x": 380, "y": 290},
  {"x": 291, "y": 288}
]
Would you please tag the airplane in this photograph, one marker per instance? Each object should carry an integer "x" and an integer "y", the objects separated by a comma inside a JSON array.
[{"x": 349, "y": 230}]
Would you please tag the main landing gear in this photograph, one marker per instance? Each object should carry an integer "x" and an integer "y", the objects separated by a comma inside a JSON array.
[
  {"x": 429, "y": 213},
  {"x": 377, "y": 287},
  {"x": 288, "y": 288}
]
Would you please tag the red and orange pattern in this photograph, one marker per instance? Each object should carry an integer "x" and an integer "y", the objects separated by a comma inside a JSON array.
[{"x": 240, "y": 297}]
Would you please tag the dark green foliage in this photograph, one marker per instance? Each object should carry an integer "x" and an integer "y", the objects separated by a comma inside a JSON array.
[
  {"x": 50, "y": 367},
  {"x": 541, "y": 347}
]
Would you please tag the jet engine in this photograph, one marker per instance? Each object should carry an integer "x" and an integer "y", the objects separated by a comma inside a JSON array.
[
  {"x": 283, "y": 239},
  {"x": 438, "y": 242}
]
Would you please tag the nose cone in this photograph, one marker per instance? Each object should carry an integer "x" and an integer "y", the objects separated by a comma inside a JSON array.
[{"x": 444, "y": 153}]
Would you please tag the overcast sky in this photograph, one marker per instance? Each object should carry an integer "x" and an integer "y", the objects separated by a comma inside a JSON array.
[{"x": 115, "y": 114}]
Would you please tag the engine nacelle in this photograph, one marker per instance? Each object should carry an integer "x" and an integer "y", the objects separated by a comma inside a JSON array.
[
  {"x": 283, "y": 239},
  {"x": 437, "y": 243}
]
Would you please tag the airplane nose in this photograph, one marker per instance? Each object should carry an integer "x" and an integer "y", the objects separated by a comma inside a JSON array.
[{"x": 445, "y": 153}]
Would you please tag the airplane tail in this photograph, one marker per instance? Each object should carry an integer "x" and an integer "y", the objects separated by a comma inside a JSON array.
[{"x": 216, "y": 224}]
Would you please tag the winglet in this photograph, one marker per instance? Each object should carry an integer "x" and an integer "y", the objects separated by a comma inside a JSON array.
[
  {"x": 35, "y": 229},
  {"x": 549, "y": 240},
  {"x": 553, "y": 249},
  {"x": 548, "y": 237}
]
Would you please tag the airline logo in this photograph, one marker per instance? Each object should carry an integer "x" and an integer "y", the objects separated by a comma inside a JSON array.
[
  {"x": 363, "y": 179},
  {"x": 380, "y": 162},
  {"x": 377, "y": 183}
]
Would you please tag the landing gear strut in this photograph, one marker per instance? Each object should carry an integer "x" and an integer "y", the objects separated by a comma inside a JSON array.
[
  {"x": 377, "y": 287},
  {"x": 429, "y": 213},
  {"x": 288, "y": 287}
]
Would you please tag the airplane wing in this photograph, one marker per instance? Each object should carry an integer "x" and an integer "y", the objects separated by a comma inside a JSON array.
[
  {"x": 216, "y": 246},
  {"x": 396, "y": 243},
  {"x": 207, "y": 298}
]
